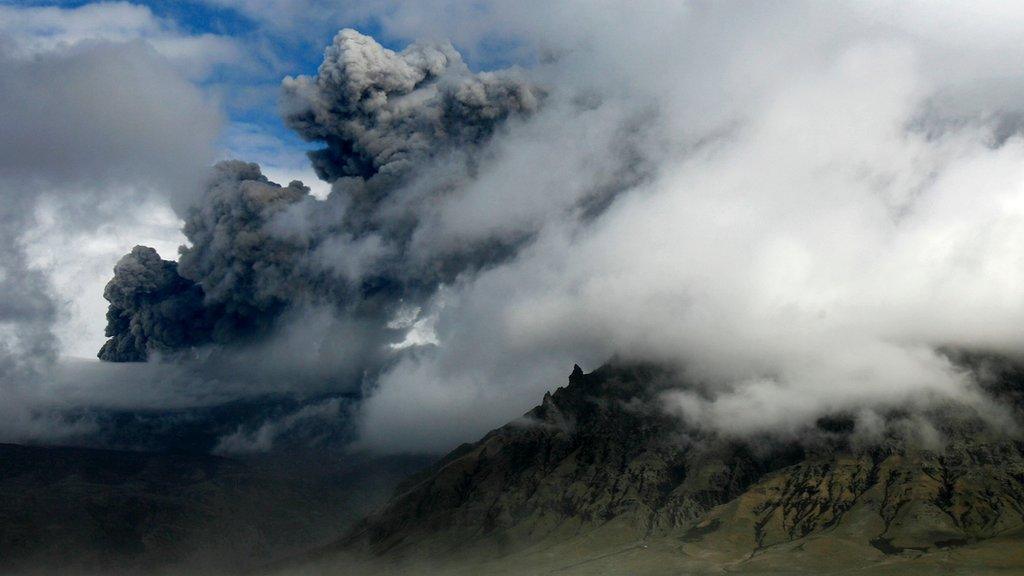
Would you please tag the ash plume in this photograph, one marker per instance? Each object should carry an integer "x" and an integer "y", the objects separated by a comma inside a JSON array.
[
  {"x": 152, "y": 308},
  {"x": 232, "y": 280},
  {"x": 801, "y": 223},
  {"x": 382, "y": 112},
  {"x": 256, "y": 248},
  {"x": 247, "y": 272}
]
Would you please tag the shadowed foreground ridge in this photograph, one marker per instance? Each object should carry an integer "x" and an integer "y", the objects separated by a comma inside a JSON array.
[
  {"x": 84, "y": 512},
  {"x": 598, "y": 479}
]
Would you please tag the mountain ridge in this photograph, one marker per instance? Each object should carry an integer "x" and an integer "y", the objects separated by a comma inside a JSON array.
[{"x": 600, "y": 467}]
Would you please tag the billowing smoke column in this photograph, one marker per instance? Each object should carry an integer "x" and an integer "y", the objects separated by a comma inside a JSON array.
[
  {"x": 151, "y": 308},
  {"x": 381, "y": 112},
  {"x": 233, "y": 279},
  {"x": 257, "y": 248},
  {"x": 246, "y": 271}
]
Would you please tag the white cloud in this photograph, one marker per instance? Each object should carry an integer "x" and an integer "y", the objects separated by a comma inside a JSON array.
[
  {"x": 96, "y": 124},
  {"x": 33, "y": 30},
  {"x": 828, "y": 204},
  {"x": 79, "y": 262}
]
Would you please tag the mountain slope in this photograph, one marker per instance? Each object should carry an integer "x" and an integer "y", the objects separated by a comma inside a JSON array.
[{"x": 599, "y": 478}]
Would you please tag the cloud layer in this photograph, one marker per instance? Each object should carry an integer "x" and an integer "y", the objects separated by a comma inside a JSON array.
[
  {"x": 827, "y": 201},
  {"x": 800, "y": 207},
  {"x": 89, "y": 128}
]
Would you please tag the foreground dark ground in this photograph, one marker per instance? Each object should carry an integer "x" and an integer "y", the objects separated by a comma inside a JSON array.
[{"x": 87, "y": 511}]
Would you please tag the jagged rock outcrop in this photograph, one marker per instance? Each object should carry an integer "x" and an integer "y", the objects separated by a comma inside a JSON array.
[
  {"x": 599, "y": 475},
  {"x": 597, "y": 450}
]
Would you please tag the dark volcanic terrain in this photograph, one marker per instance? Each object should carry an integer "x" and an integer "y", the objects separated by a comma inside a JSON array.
[
  {"x": 598, "y": 479},
  {"x": 86, "y": 511}
]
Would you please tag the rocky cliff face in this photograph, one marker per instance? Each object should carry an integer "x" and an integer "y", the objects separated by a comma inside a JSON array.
[
  {"x": 599, "y": 475},
  {"x": 597, "y": 450}
]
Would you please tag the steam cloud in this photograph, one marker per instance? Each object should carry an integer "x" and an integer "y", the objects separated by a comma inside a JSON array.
[{"x": 800, "y": 208}]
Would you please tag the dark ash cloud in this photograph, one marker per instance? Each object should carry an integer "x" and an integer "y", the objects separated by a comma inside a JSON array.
[
  {"x": 378, "y": 111},
  {"x": 232, "y": 280},
  {"x": 152, "y": 308},
  {"x": 257, "y": 249},
  {"x": 247, "y": 271}
]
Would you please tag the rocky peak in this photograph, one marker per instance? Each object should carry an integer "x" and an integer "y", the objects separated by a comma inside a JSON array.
[{"x": 601, "y": 456}]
